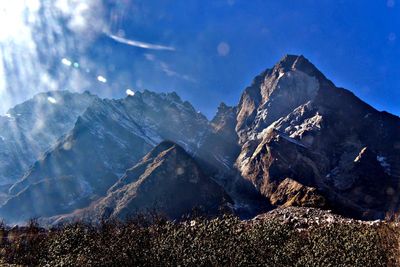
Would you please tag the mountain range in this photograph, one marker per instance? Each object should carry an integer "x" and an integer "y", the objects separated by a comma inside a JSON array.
[{"x": 294, "y": 139}]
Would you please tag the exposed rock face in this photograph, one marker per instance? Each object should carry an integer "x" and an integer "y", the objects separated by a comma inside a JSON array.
[
  {"x": 30, "y": 128},
  {"x": 292, "y": 193},
  {"x": 217, "y": 154},
  {"x": 294, "y": 123},
  {"x": 110, "y": 137},
  {"x": 167, "y": 180},
  {"x": 219, "y": 147},
  {"x": 307, "y": 218}
]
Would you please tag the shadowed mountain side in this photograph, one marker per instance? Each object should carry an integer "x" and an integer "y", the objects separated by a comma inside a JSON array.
[
  {"x": 216, "y": 156},
  {"x": 167, "y": 180},
  {"x": 62, "y": 193},
  {"x": 32, "y": 127},
  {"x": 110, "y": 137}
]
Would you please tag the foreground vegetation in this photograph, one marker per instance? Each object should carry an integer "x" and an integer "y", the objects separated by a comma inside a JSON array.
[{"x": 226, "y": 241}]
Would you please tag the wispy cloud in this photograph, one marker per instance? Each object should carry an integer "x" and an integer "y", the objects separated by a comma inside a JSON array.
[
  {"x": 171, "y": 73},
  {"x": 166, "y": 68},
  {"x": 139, "y": 43}
]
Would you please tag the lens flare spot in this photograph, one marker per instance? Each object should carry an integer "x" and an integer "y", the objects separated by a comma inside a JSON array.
[
  {"x": 101, "y": 79},
  {"x": 67, "y": 146},
  {"x": 223, "y": 49},
  {"x": 130, "y": 92},
  {"x": 52, "y": 100},
  {"x": 66, "y": 62}
]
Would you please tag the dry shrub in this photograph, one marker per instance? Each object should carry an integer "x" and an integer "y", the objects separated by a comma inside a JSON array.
[{"x": 224, "y": 241}]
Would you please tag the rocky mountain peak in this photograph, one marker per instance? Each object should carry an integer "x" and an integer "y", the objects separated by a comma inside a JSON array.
[
  {"x": 225, "y": 115},
  {"x": 222, "y": 107},
  {"x": 295, "y": 62},
  {"x": 167, "y": 179},
  {"x": 174, "y": 96},
  {"x": 157, "y": 101},
  {"x": 289, "y": 62},
  {"x": 292, "y": 82},
  {"x": 163, "y": 146},
  {"x": 294, "y": 74},
  {"x": 297, "y": 124},
  {"x": 111, "y": 136}
]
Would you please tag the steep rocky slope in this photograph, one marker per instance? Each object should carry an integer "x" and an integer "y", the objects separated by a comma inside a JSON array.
[
  {"x": 220, "y": 147},
  {"x": 30, "y": 128},
  {"x": 110, "y": 137},
  {"x": 217, "y": 154},
  {"x": 167, "y": 180},
  {"x": 301, "y": 134}
]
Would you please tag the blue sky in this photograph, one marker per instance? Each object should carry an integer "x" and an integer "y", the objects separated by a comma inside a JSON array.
[{"x": 213, "y": 49}]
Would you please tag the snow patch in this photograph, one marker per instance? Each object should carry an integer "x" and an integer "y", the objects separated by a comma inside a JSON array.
[
  {"x": 367, "y": 115},
  {"x": 222, "y": 160},
  {"x": 311, "y": 124},
  {"x": 383, "y": 162},
  {"x": 290, "y": 139}
]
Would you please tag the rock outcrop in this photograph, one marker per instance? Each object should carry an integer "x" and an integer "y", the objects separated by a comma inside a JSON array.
[{"x": 294, "y": 123}]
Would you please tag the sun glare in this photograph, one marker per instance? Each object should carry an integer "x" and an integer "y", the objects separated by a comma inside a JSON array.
[{"x": 15, "y": 17}]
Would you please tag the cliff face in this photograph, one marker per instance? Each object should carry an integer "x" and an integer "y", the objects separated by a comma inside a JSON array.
[{"x": 295, "y": 125}]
